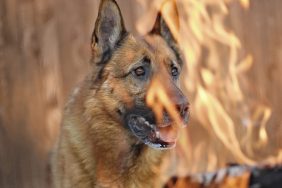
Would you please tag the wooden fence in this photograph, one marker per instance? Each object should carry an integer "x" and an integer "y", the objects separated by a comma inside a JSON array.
[{"x": 44, "y": 52}]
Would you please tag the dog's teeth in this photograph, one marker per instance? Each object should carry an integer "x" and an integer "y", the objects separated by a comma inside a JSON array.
[
  {"x": 149, "y": 125},
  {"x": 141, "y": 119},
  {"x": 158, "y": 134}
]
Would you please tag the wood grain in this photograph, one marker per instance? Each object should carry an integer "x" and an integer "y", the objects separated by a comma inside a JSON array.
[{"x": 44, "y": 52}]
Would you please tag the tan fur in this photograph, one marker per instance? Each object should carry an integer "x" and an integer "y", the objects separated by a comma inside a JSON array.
[{"x": 95, "y": 149}]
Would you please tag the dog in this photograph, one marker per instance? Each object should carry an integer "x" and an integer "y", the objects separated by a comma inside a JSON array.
[{"x": 110, "y": 135}]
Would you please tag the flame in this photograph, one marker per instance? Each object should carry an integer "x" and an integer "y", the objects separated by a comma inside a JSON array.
[
  {"x": 159, "y": 101},
  {"x": 233, "y": 123},
  {"x": 245, "y": 3}
]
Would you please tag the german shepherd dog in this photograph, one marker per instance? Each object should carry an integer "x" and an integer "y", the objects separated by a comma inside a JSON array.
[{"x": 110, "y": 136}]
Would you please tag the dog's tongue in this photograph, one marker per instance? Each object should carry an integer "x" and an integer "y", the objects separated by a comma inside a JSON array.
[{"x": 168, "y": 134}]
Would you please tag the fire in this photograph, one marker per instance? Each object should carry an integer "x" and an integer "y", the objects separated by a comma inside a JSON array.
[
  {"x": 159, "y": 101},
  {"x": 245, "y": 3},
  {"x": 232, "y": 125}
]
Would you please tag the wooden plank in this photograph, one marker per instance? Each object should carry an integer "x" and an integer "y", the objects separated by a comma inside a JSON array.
[{"x": 44, "y": 52}]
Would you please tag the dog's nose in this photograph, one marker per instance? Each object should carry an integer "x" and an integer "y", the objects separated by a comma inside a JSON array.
[
  {"x": 183, "y": 109},
  {"x": 181, "y": 103}
]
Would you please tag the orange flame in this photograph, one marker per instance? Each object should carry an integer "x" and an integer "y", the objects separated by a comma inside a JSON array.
[
  {"x": 234, "y": 123},
  {"x": 157, "y": 97},
  {"x": 159, "y": 101},
  {"x": 245, "y": 3}
]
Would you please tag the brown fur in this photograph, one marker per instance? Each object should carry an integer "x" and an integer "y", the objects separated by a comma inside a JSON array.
[{"x": 95, "y": 149}]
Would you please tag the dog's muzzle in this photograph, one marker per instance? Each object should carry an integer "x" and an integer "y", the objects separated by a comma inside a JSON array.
[{"x": 142, "y": 123}]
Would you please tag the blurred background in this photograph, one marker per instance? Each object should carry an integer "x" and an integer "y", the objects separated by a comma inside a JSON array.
[{"x": 232, "y": 75}]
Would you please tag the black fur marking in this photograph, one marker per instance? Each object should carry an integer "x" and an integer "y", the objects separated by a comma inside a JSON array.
[
  {"x": 157, "y": 26},
  {"x": 137, "y": 149},
  {"x": 106, "y": 59},
  {"x": 139, "y": 110},
  {"x": 140, "y": 121},
  {"x": 177, "y": 54},
  {"x": 108, "y": 53},
  {"x": 119, "y": 112}
]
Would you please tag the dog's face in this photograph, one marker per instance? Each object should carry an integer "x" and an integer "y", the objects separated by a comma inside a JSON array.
[{"x": 125, "y": 68}]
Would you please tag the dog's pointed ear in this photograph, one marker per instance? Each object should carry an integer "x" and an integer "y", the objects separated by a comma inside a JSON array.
[
  {"x": 167, "y": 22},
  {"x": 109, "y": 30},
  {"x": 167, "y": 26},
  {"x": 161, "y": 28}
]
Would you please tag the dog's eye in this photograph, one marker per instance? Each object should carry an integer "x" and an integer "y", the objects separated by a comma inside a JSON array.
[
  {"x": 139, "y": 71},
  {"x": 174, "y": 71}
]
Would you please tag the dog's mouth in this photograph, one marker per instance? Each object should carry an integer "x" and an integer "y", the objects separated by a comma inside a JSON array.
[
  {"x": 163, "y": 136},
  {"x": 145, "y": 128}
]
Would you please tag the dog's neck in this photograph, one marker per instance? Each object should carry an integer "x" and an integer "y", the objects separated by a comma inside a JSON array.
[
  {"x": 122, "y": 161},
  {"x": 128, "y": 166}
]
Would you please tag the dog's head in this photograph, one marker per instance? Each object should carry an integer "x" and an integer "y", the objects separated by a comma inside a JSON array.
[{"x": 127, "y": 71}]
